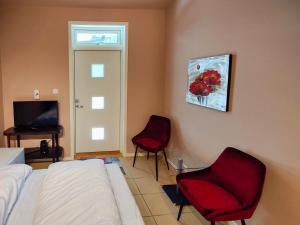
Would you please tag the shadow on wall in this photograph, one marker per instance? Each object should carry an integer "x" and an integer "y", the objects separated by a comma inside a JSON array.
[
  {"x": 281, "y": 196},
  {"x": 232, "y": 81},
  {"x": 176, "y": 143},
  {"x": 2, "y": 142},
  {"x": 182, "y": 11}
]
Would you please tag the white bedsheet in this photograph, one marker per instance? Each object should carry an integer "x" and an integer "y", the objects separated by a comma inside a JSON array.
[
  {"x": 23, "y": 211},
  {"x": 12, "y": 179},
  {"x": 77, "y": 192},
  {"x": 129, "y": 212}
]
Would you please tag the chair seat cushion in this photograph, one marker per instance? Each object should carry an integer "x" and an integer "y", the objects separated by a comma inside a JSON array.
[
  {"x": 207, "y": 195},
  {"x": 148, "y": 143}
]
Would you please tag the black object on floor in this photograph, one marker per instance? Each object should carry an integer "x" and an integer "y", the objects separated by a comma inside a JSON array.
[{"x": 176, "y": 198}]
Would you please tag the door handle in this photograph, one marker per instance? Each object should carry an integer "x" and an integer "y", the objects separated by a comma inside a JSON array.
[{"x": 79, "y": 106}]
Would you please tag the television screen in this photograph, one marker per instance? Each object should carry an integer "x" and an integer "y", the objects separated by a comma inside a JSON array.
[{"x": 35, "y": 114}]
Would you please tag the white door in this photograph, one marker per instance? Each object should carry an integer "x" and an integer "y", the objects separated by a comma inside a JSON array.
[{"x": 97, "y": 101}]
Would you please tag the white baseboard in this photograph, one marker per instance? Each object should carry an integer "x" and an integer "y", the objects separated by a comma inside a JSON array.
[
  {"x": 232, "y": 223},
  {"x": 68, "y": 158},
  {"x": 131, "y": 154}
]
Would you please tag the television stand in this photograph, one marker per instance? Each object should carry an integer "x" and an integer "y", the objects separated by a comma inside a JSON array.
[{"x": 31, "y": 154}]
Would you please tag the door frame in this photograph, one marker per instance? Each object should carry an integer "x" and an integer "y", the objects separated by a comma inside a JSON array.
[{"x": 124, "y": 70}]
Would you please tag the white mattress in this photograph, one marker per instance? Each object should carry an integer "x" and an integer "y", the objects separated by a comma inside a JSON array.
[
  {"x": 11, "y": 156},
  {"x": 24, "y": 208}
]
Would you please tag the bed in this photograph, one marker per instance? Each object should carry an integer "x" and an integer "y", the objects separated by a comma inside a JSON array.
[{"x": 42, "y": 200}]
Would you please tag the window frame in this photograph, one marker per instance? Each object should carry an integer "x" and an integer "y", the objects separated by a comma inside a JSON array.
[{"x": 92, "y": 29}]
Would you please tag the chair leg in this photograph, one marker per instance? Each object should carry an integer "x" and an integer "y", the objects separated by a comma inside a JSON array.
[
  {"x": 179, "y": 212},
  {"x": 212, "y": 223},
  {"x": 243, "y": 222},
  {"x": 156, "y": 166},
  {"x": 147, "y": 155},
  {"x": 136, "y": 149},
  {"x": 166, "y": 159}
]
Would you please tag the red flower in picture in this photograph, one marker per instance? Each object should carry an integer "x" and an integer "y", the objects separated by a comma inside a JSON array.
[
  {"x": 211, "y": 77},
  {"x": 205, "y": 83},
  {"x": 200, "y": 88}
]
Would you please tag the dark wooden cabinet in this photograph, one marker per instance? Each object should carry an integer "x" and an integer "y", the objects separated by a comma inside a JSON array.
[{"x": 55, "y": 150}]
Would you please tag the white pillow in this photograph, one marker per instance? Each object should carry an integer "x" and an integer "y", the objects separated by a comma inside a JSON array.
[{"x": 12, "y": 179}]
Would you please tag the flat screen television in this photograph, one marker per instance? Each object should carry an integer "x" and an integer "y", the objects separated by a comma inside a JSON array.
[{"x": 35, "y": 114}]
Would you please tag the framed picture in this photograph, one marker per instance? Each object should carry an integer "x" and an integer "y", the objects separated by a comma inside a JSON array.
[{"x": 209, "y": 81}]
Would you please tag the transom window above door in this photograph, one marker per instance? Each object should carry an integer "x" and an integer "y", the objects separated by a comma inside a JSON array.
[{"x": 97, "y": 35}]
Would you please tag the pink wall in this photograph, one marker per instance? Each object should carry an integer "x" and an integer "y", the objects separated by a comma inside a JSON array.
[
  {"x": 264, "y": 119},
  {"x": 1, "y": 110},
  {"x": 34, "y": 54}
]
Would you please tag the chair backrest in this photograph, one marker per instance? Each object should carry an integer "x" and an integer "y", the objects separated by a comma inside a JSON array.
[
  {"x": 160, "y": 128},
  {"x": 241, "y": 174}
]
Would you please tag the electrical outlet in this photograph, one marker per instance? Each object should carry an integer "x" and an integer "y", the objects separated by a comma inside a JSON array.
[{"x": 36, "y": 94}]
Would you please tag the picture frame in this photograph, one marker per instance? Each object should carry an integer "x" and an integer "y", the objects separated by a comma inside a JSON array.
[{"x": 209, "y": 81}]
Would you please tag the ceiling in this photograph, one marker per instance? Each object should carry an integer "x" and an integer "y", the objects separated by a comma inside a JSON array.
[{"x": 146, "y": 4}]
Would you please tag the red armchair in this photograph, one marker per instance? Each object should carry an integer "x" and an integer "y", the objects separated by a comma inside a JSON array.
[
  {"x": 228, "y": 190},
  {"x": 154, "y": 138}
]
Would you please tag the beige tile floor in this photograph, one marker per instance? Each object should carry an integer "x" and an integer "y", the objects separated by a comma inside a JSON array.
[{"x": 154, "y": 204}]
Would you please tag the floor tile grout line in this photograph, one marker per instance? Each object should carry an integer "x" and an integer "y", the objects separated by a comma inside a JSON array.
[
  {"x": 137, "y": 187},
  {"x": 166, "y": 215},
  {"x": 169, "y": 176},
  {"x": 146, "y": 204},
  {"x": 153, "y": 219},
  {"x": 150, "y": 209}
]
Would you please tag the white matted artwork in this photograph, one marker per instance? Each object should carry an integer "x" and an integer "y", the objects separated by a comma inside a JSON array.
[{"x": 209, "y": 81}]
